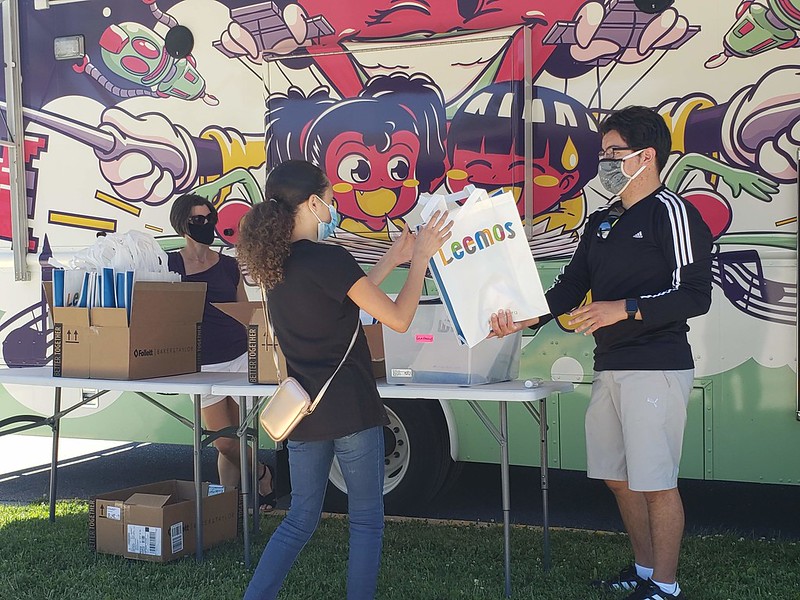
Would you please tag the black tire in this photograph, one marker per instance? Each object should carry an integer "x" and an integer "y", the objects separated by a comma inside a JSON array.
[
  {"x": 417, "y": 458},
  {"x": 453, "y": 473}
]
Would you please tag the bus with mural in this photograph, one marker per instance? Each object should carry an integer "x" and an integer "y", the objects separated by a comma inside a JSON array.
[{"x": 127, "y": 104}]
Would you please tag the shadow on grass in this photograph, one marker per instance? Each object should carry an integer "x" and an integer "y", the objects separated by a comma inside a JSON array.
[{"x": 42, "y": 560}]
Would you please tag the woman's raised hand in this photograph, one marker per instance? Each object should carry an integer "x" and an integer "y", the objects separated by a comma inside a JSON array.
[
  {"x": 402, "y": 249},
  {"x": 432, "y": 235}
]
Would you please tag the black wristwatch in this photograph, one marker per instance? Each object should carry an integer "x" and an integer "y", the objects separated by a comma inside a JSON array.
[{"x": 631, "y": 307}]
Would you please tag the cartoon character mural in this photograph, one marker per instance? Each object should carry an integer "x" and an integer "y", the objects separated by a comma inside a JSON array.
[
  {"x": 759, "y": 28},
  {"x": 567, "y": 37},
  {"x": 377, "y": 118},
  {"x": 139, "y": 55},
  {"x": 379, "y": 149},
  {"x": 486, "y": 148}
]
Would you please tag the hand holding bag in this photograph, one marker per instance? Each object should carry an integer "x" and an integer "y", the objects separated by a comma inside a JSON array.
[{"x": 290, "y": 403}]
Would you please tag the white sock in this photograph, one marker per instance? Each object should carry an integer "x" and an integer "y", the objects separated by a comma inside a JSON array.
[
  {"x": 643, "y": 572},
  {"x": 669, "y": 588}
]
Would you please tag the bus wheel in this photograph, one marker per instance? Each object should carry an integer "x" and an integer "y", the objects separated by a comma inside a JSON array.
[{"x": 416, "y": 458}]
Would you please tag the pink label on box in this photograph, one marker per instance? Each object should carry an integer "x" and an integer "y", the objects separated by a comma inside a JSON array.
[{"x": 424, "y": 338}]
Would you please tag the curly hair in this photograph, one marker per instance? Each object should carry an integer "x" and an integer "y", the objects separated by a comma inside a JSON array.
[{"x": 265, "y": 232}]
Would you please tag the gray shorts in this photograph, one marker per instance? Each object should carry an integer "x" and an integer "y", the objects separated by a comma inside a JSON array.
[{"x": 634, "y": 427}]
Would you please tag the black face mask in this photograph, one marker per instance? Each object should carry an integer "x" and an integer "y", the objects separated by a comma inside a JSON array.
[{"x": 202, "y": 234}]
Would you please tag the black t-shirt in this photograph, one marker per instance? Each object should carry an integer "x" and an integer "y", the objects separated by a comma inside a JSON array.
[
  {"x": 223, "y": 337},
  {"x": 314, "y": 322}
]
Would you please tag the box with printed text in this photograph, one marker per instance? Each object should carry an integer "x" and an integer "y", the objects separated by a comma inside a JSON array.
[
  {"x": 260, "y": 345},
  {"x": 159, "y": 336},
  {"x": 156, "y": 522}
]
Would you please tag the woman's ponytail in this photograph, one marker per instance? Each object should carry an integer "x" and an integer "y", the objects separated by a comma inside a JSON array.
[{"x": 265, "y": 234}]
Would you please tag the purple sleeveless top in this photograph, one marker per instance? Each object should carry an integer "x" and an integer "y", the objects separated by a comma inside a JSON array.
[{"x": 224, "y": 338}]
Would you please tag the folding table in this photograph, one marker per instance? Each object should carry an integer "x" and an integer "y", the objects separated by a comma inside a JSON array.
[
  {"x": 502, "y": 393},
  {"x": 193, "y": 384}
]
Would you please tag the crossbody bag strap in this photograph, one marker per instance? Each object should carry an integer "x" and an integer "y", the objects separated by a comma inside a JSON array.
[
  {"x": 344, "y": 358},
  {"x": 271, "y": 330}
]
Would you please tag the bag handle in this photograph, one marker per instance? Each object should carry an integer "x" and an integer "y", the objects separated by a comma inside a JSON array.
[
  {"x": 475, "y": 196},
  {"x": 271, "y": 330}
]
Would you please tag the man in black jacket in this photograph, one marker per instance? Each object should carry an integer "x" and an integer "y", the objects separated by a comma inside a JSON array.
[{"x": 647, "y": 261}]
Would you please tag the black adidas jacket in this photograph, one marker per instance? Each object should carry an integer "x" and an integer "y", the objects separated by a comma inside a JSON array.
[{"x": 658, "y": 251}]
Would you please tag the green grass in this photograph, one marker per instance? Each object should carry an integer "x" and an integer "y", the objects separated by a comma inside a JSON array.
[{"x": 42, "y": 561}]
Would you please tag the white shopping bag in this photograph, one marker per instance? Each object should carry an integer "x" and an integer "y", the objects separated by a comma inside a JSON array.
[{"x": 486, "y": 265}]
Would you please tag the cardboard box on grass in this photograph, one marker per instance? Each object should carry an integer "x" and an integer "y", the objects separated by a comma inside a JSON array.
[
  {"x": 260, "y": 362},
  {"x": 163, "y": 337},
  {"x": 156, "y": 522}
]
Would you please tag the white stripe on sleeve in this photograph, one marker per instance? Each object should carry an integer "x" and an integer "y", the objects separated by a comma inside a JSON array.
[{"x": 681, "y": 237}]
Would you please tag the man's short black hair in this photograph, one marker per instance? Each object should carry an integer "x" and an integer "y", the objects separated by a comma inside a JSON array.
[
  {"x": 641, "y": 127},
  {"x": 181, "y": 209}
]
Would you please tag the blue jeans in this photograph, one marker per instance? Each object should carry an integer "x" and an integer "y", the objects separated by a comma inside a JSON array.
[{"x": 361, "y": 457}]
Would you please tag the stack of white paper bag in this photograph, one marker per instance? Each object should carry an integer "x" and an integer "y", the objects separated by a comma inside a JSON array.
[{"x": 103, "y": 274}]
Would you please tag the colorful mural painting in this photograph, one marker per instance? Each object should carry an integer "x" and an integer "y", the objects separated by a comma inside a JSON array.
[{"x": 396, "y": 99}]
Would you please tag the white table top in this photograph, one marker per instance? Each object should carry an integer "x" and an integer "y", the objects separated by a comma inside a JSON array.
[
  {"x": 508, "y": 391},
  {"x": 191, "y": 383},
  {"x": 235, "y": 384}
]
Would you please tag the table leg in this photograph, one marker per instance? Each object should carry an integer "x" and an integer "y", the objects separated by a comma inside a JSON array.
[
  {"x": 245, "y": 477},
  {"x": 256, "y": 507},
  {"x": 544, "y": 474},
  {"x": 504, "y": 466},
  {"x": 198, "y": 480},
  {"x": 54, "y": 458}
]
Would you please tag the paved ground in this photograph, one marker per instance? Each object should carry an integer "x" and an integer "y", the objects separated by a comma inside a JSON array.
[{"x": 93, "y": 467}]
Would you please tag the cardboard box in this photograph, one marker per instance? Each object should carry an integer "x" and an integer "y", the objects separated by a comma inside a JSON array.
[
  {"x": 260, "y": 362},
  {"x": 163, "y": 337},
  {"x": 156, "y": 522}
]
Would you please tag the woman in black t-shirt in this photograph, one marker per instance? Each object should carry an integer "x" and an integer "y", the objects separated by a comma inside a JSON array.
[{"x": 315, "y": 292}]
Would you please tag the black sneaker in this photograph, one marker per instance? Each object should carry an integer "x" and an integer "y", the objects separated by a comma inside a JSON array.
[
  {"x": 625, "y": 580},
  {"x": 650, "y": 591}
]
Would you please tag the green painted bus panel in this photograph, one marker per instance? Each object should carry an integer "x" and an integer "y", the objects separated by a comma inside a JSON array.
[
  {"x": 476, "y": 444},
  {"x": 756, "y": 433},
  {"x": 125, "y": 417}
]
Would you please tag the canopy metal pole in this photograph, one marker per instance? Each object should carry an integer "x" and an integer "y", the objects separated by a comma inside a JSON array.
[
  {"x": 14, "y": 146},
  {"x": 527, "y": 189}
]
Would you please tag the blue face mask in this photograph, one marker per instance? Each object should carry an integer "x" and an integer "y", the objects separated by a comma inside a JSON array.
[{"x": 325, "y": 230}]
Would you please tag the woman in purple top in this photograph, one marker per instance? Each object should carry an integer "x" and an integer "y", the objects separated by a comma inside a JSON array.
[{"x": 224, "y": 340}]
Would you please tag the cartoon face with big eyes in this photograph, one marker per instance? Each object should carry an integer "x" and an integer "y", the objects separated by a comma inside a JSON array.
[
  {"x": 381, "y": 19},
  {"x": 373, "y": 184},
  {"x": 379, "y": 150},
  {"x": 486, "y": 145}
]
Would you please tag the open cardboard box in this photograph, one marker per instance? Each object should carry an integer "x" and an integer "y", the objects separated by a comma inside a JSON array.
[
  {"x": 156, "y": 522},
  {"x": 260, "y": 362},
  {"x": 162, "y": 338}
]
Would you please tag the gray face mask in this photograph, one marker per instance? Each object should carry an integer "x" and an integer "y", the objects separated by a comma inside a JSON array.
[{"x": 613, "y": 176}]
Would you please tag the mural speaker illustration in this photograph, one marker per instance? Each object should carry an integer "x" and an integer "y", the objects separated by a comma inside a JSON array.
[{"x": 653, "y": 6}]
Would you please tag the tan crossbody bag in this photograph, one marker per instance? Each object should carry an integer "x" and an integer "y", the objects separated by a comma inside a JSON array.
[{"x": 291, "y": 403}]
